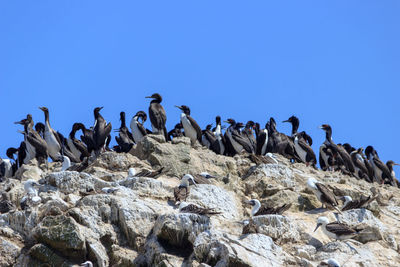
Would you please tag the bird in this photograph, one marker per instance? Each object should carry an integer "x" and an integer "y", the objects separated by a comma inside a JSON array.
[
  {"x": 176, "y": 132},
  {"x": 295, "y": 127},
  {"x": 249, "y": 227},
  {"x": 137, "y": 128},
  {"x": 31, "y": 197},
  {"x": 261, "y": 140},
  {"x": 77, "y": 147},
  {"x": 148, "y": 173},
  {"x": 124, "y": 139},
  {"x": 329, "y": 263},
  {"x": 236, "y": 142},
  {"x": 339, "y": 151},
  {"x": 258, "y": 209},
  {"x": 101, "y": 131},
  {"x": 350, "y": 204},
  {"x": 36, "y": 146},
  {"x": 192, "y": 208},
  {"x": 158, "y": 117},
  {"x": 182, "y": 191},
  {"x": 202, "y": 178},
  {"x": 324, "y": 195},
  {"x": 249, "y": 134},
  {"x": 219, "y": 146},
  {"x": 382, "y": 173},
  {"x": 336, "y": 230},
  {"x": 192, "y": 129},
  {"x": 87, "y": 138},
  {"x": 304, "y": 151},
  {"x": 280, "y": 143},
  {"x": 207, "y": 137},
  {"x": 51, "y": 137},
  {"x": 361, "y": 170},
  {"x": 390, "y": 164}
]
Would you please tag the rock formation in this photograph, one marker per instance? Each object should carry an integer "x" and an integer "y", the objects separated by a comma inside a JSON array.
[{"x": 138, "y": 225}]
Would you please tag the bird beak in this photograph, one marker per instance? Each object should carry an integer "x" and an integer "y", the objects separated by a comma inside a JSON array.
[
  {"x": 321, "y": 127},
  {"x": 100, "y": 108},
  {"x": 286, "y": 121},
  {"x": 396, "y": 164},
  {"x": 318, "y": 225},
  {"x": 178, "y": 107},
  {"x": 247, "y": 202},
  {"x": 148, "y": 97},
  {"x": 226, "y": 121}
]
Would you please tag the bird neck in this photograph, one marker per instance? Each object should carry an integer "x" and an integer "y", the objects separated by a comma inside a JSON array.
[
  {"x": 295, "y": 127},
  {"x": 328, "y": 136},
  {"x": 46, "y": 117},
  {"x": 255, "y": 208}
]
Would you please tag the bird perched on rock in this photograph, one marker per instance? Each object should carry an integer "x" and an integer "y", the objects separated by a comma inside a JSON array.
[
  {"x": 202, "y": 178},
  {"x": 324, "y": 195},
  {"x": 124, "y": 139},
  {"x": 31, "y": 197},
  {"x": 101, "y": 131},
  {"x": 336, "y": 230},
  {"x": 350, "y": 204},
  {"x": 182, "y": 191},
  {"x": 157, "y": 114},
  {"x": 258, "y": 209},
  {"x": 192, "y": 208},
  {"x": 192, "y": 129}
]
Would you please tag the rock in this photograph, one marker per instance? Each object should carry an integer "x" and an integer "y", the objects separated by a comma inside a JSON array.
[
  {"x": 45, "y": 255},
  {"x": 280, "y": 228},
  {"x": 9, "y": 251},
  {"x": 123, "y": 257},
  {"x": 61, "y": 233},
  {"x": 26, "y": 172}
]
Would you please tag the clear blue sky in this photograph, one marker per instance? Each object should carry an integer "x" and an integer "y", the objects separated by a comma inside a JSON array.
[{"x": 335, "y": 62}]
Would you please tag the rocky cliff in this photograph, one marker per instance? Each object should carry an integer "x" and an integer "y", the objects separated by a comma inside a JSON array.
[{"x": 77, "y": 219}]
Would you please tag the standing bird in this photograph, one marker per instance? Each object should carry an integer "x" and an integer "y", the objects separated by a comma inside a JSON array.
[
  {"x": 182, "y": 191},
  {"x": 236, "y": 142},
  {"x": 382, "y": 174},
  {"x": 101, "y": 131},
  {"x": 249, "y": 134},
  {"x": 324, "y": 195},
  {"x": 77, "y": 147},
  {"x": 304, "y": 151},
  {"x": 87, "y": 137},
  {"x": 338, "y": 151},
  {"x": 137, "y": 128},
  {"x": 51, "y": 137},
  {"x": 219, "y": 146},
  {"x": 295, "y": 127},
  {"x": 125, "y": 138},
  {"x": 336, "y": 230},
  {"x": 263, "y": 210},
  {"x": 280, "y": 143},
  {"x": 157, "y": 115},
  {"x": 36, "y": 146},
  {"x": 261, "y": 140},
  {"x": 390, "y": 165},
  {"x": 192, "y": 129}
]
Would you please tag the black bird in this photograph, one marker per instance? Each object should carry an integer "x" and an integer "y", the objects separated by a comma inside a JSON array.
[
  {"x": 382, "y": 173},
  {"x": 390, "y": 165},
  {"x": 192, "y": 129},
  {"x": 249, "y": 134},
  {"x": 279, "y": 142},
  {"x": 101, "y": 131},
  {"x": 87, "y": 137},
  {"x": 77, "y": 147},
  {"x": 36, "y": 146},
  {"x": 51, "y": 137},
  {"x": 176, "y": 132},
  {"x": 125, "y": 138},
  {"x": 261, "y": 140},
  {"x": 361, "y": 170},
  {"x": 157, "y": 115},
  {"x": 338, "y": 151},
  {"x": 235, "y": 142},
  {"x": 295, "y": 127},
  {"x": 208, "y": 138},
  {"x": 10, "y": 154}
]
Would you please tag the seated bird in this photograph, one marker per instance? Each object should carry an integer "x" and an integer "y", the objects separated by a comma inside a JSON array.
[
  {"x": 182, "y": 191},
  {"x": 336, "y": 230},
  {"x": 324, "y": 195},
  {"x": 263, "y": 210},
  {"x": 192, "y": 208}
]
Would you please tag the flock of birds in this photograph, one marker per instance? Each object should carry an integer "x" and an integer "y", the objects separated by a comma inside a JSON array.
[{"x": 42, "y": 141}]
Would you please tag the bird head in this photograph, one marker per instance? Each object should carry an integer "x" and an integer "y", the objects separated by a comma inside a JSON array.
[{"x": 321, "y": 221}]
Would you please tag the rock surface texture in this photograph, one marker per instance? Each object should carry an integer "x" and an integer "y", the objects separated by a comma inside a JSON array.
[{"x": 137, "y": 224}]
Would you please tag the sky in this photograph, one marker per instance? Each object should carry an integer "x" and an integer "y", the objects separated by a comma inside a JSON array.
[{"x": 335, "y": 62}]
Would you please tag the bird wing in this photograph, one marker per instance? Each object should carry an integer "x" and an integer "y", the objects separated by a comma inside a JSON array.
[
  {"x": 326, "y": 194},
  {"x": 200, "y": 179},
  {"x": 195, "y": 126},
  {"x": 340, "y": 228},
  {"x": 310, "y": 152},
  {"x": 261, "y": 137},
  {"x": 264, "y": 211},
  {"x": 210, "y": 137},
  {"x": 242, "y": 141},
  {"x": 181, "y": 193},
  {"x": 283, "y": 208}
]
